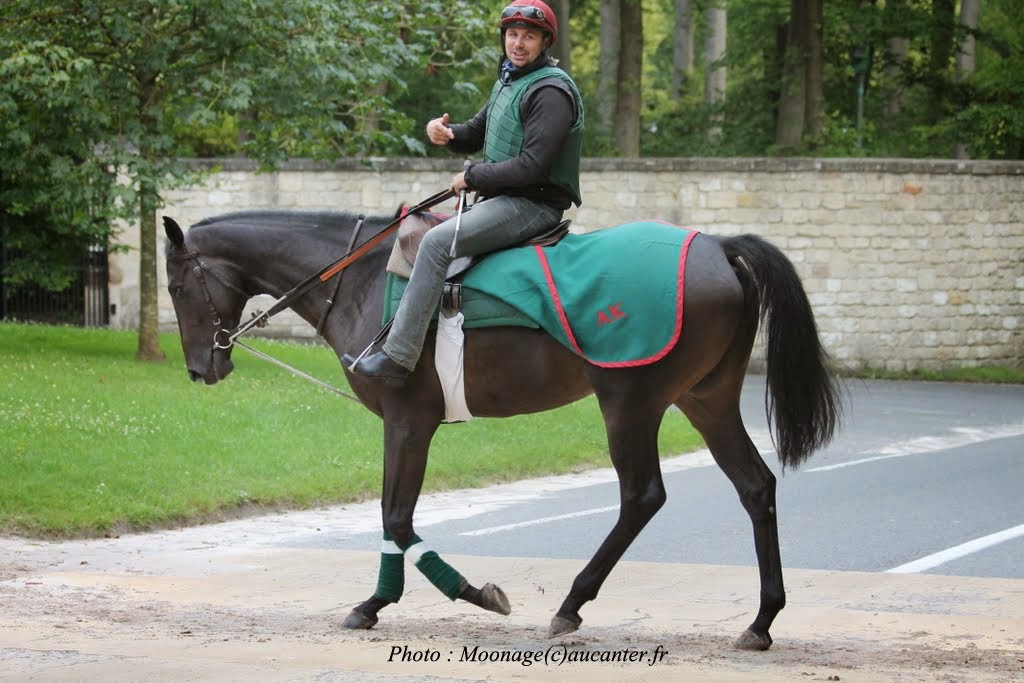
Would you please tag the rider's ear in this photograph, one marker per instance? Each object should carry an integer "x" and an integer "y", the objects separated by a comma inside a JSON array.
[{"x": 174, "y": 233}]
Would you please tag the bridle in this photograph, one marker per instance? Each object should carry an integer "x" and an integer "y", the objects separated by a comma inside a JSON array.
[
  {"x": 224, "y": 339},
  {"x": 199, "y": 268}
]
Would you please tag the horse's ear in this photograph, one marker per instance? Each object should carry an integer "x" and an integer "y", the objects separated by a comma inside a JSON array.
[{"x": 174, "y": 233}]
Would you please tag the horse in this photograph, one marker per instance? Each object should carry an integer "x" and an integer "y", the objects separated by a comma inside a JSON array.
[{"x": 735, "y": 285}]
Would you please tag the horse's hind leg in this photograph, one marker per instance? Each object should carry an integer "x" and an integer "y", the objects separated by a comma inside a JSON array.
[
  {"x": 633, "y": 445},
  {"x": 716, "y": 416}
]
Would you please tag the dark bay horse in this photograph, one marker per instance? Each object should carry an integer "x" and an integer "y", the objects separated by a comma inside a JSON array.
[{"x": 733, "y": 285}]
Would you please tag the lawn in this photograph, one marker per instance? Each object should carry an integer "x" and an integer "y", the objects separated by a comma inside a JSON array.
[{"x": 93, "y": 442}]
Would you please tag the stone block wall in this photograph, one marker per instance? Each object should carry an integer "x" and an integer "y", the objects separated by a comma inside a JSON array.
[{"x": 909, "y": 264}]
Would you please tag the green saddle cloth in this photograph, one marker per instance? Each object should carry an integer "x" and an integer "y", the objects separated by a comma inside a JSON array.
[{"x": 614, "y": 296}]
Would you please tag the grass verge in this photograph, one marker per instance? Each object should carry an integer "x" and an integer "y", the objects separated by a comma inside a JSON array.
[
  {"x": 93, "y": 442},
  {"x": 986, "y": 375}
]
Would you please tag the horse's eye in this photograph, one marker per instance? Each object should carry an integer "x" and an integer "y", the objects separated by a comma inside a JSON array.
[{"x": 179, "y": 292}]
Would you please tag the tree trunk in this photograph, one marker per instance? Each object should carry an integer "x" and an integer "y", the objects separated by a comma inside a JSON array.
[
  {"x": 629, "y": 99},
  {"x": 965, "y": 55},
  {"x": 969, "y": 10},
  {"x": 367, "y": 115},
  {"x": 943, "y": 37},
  {"x": 562, "y": 50},
  {"x": 149, "y": 199},
  {"x": 792, "y": 100},
  {"x": 608, "y": 66},
  {"x": 814, "y": 112},
  {"x": 149, "y": 319},
  {"x": 715, "y": 70},
  {"x": 682, "y": 56},
  {"x": 896, "y": 59}
]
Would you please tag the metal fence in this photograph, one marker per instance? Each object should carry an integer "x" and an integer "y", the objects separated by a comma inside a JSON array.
[{"x": 85, "y": 302}]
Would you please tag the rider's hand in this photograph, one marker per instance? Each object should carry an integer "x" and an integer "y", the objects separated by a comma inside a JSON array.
[
  {"x": 438, "y": 131},
  {"x": 459, "y": 183}
]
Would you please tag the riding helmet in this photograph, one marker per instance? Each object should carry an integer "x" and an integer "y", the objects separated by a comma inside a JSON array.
[{"x": 531, "y": 14}]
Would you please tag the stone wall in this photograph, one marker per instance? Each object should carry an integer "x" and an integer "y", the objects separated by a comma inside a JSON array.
[{"x": 909, "y": 264}]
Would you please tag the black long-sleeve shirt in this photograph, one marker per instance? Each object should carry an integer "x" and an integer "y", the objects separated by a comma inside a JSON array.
[{"x": 547, "y": 111}]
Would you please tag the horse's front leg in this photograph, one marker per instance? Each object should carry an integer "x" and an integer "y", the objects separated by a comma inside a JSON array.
[{"x": 406, "y": 445}]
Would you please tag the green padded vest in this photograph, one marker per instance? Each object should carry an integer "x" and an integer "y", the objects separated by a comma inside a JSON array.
[{"x": 504, "y": 137}]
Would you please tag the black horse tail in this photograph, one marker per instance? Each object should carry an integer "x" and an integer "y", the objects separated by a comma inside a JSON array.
[{"x": 802, "y": 396}]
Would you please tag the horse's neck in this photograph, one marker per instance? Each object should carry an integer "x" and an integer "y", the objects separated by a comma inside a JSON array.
[{"x": 274, "y": 259}]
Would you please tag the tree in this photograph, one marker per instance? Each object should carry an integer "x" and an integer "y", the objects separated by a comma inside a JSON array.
[
  {"x": 57, "y": 194},
  {"x": 965, "y": 61},
  {"x": 801, "y": 100},
  {"x": 714, "y": 54},
  {"x": 562, "y": 50},
  {"x": 940, "y": 50},
  {"x": 306, "y": 74},
  {"x": 610, "y": 52},
  {"x": 792, "y": 99},
  {"x": 897, "y": 50},
  {"x": 629, "y": 96},
  {"x": 682, "y": 54},
  {"x": 814, "y": 111}
]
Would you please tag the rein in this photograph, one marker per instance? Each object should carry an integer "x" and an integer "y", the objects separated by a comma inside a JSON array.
[{"x": 261, "y": 319}]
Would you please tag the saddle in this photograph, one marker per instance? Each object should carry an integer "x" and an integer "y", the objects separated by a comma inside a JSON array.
[{"x": 415, "y": 225}]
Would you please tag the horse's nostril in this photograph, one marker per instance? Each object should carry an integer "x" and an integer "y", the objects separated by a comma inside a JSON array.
[{"x": 195, "y": 376}]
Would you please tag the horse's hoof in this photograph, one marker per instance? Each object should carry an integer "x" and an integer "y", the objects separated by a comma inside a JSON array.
[
  {"x": 495, "y": 600},
  {"x": 561, "y": 625},
  {"x": 358, "y": 620},
  {"x": 749, "y": 640}
]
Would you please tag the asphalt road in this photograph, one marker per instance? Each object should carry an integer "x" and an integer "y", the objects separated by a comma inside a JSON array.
[{"x": 924, "y": 477}]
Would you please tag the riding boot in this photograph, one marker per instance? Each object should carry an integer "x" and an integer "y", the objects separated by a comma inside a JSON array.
[{"x": 377, "y": 365}]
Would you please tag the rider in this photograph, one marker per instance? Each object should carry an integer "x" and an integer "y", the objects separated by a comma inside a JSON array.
[{"x": 531, "y": 133}]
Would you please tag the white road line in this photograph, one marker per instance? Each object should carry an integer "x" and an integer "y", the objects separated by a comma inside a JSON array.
[
  {"x": 961, "y": 436},
  {"x": 539, "y": 520},
  {"x": 956, "y": 552}
]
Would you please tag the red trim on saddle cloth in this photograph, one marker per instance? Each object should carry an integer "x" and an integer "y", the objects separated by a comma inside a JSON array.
[{"x": 680, "y": 302}]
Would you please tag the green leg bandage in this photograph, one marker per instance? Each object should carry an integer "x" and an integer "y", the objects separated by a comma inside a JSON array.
[
  {"x": 438, "y": 572},
  {"x": 391, "y": 578}
]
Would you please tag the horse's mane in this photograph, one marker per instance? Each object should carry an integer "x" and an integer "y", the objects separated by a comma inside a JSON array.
[{"x": 283, "y": 218}]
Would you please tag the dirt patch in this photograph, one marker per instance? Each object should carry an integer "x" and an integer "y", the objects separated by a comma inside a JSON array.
[
  {"x": 91, "y": 626},
  {"x": 263, "y": 599}
]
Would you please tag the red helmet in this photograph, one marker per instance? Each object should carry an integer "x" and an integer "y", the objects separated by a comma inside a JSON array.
[{"x": 530, "y": 13}]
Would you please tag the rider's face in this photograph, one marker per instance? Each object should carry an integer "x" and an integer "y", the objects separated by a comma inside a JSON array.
[{"x": 523, "y": 45}]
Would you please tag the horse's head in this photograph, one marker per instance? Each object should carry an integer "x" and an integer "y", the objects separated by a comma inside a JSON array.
[{"x": 207, "y": 305}]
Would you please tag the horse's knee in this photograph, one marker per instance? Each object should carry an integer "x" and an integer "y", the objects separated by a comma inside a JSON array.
[{"x": 400, "y": 531}]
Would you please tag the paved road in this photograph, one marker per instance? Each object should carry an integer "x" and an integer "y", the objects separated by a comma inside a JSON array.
[{"x": 919, "y": 469}]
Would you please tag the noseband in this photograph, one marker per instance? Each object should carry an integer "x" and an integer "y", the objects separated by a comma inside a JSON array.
[{"x": 198, "y": 269}]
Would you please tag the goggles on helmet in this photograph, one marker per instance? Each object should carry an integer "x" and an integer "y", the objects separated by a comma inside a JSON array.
[{"x": 524, "y": 11}]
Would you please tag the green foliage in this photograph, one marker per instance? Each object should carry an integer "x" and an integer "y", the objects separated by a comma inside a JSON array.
[
  {"x": 92, "y": 88},
  {"x": 938, "y": 108},
  {"x": 992, "y": 115},
  {"x": 57, "y": 190},
  {"x": 92, "y": 441}
]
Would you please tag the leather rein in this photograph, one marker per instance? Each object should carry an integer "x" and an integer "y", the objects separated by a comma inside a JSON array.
[{"x": 261, "y": 319}]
